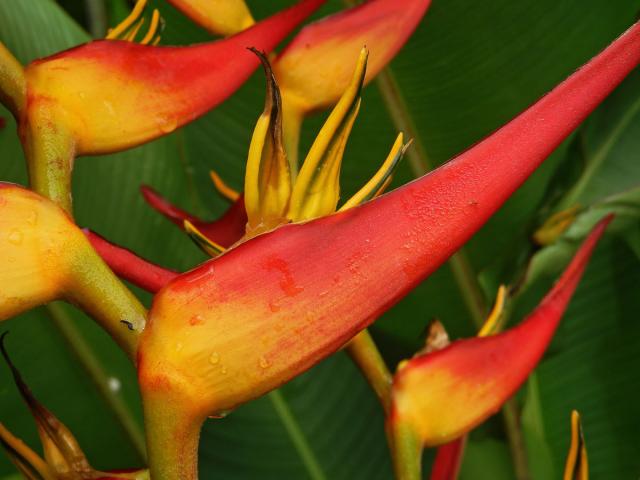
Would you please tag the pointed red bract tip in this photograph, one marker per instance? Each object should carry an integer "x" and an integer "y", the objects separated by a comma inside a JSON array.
[
  {"x": 129, "y": 266},
  {"x": 225, "y": 231},
  {"x": 166, "y": 208},
  {"x": 444, "y": 394}
]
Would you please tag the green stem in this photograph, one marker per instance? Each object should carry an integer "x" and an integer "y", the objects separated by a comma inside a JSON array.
[
  {"x": 406, "y": 452},
  {"x": 297, "y": 436},
  {"x": 97, "y": 290},
  {"x": 13, "y": 86},
  {"x": 365, "y": 354},
  {"x": 96, "y": 372},
  {"x": 511, "y": 417},
  {"x": 172, "y": 439},
  {"x": 50, "y": 150},
  {"x": 97, "y": 17}
]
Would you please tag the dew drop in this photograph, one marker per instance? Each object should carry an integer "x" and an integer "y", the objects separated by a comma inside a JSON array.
[
  {"x": 179, "y": 346},
  {"x": 223, "y": 370},
  {"x": 220, "y": 414},
  {"x": 168, "y": 125},
  {"x": 274, "y": 307},
  {"x": 214, "y": 359},
  {"x": 264, "y": 363},
  {"x": 15, "y": 237},
  {"x": 32, "y": 217}
]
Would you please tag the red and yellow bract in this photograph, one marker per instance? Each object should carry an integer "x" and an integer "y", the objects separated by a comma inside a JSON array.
[
  {"x": 267, "y": 310},
  {"x": 441, "y": 395}
]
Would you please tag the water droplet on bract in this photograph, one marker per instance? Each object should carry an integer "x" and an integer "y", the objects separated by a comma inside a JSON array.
[
  {"x": 179, "y": 346},
  {"x": 220, "y": 414},
  {"x": 264, "y": 363},
  {"x": 274, "y": 307},
  {"x": 15, "y": 237},
  {"x": 32, "y": 217},
  {"x": 168, "y": 125},
  {"x": 223, "y": 370},
  {"x": 214, "y": 359}
]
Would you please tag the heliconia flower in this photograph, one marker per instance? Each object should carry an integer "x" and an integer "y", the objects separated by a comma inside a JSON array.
[
  {"x": 268, "y": 309},
  {"x": 577, "y": 464},
  {"x": 441, "y": 395},
  {"x": 220, "y": 17},
  {"x": 46, "y": 257},
  {"x": 315, "y": 68},
  {"x": 110, "y": 95},
  {"x": 273, "y": 196},
  {"x": 63, "y": 456}
]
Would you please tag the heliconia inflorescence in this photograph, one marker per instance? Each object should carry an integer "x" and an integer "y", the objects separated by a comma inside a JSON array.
[
  {"x": 110, "y": 95},
  {"x": 315, "y": 69},
  {"x": 441, "y": 395},
  {"x": 215, "y": 340}
]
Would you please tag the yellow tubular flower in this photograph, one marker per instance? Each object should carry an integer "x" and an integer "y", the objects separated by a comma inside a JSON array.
[
  {"x": 577, "y": 465},
  {"x": 272, "y": 197},
  {"x": 317, "y": 189},
  {"x": 268, "y": 179}
]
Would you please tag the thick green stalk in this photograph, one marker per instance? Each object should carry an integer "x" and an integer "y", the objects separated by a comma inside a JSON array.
[
  {"x": 96, "y": 17},
  {"x": 406, "y": 451},
  {"x": 511, "y": 417},
  {"x": 13, "y": 86},
  {"x": 50, "y": 150},
  {"x": 97, "y": 290},
  {"x": 365, "y": 354},
  {"x": 172, "y": 439}
]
